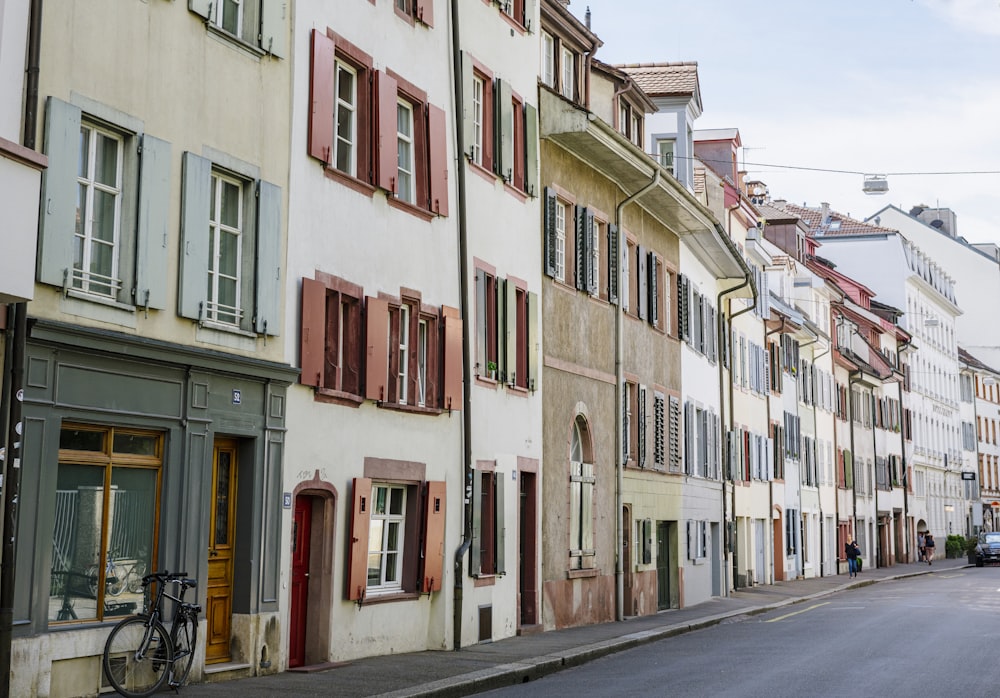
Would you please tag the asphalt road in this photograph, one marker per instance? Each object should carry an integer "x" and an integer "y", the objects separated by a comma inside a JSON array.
[{"x": 936, "y": 635}]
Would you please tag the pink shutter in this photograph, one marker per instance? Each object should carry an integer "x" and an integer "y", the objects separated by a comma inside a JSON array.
[
  {"x": 313, "y": 339},
  {"x": 453, "y": 359},
  {"x": 321, "y": 97},
  {"x": 357, "y": 555},
  {"x": 434, "y": 537},
  {"x": 425, "y": 12},
  {"x": 386, "y": 156},
  {"x": 438, "y": 137},
  {"x": 377, "y": 349}
]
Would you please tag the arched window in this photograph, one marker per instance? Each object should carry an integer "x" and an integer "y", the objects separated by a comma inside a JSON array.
[{"x": 581, "y": 488}]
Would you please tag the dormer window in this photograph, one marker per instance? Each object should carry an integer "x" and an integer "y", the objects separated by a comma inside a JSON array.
[{"x": 665, "y": 152}]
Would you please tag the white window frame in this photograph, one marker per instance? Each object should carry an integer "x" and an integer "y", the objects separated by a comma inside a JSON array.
[
  {"x": 582, "y": 482},
  {"x": 548, "y": 60},
  {"x": 215, "y": 312},
  {"x": 661, "y": 152},
  {"x": 478, "y": 92},
  {"x": 219, "y": 15},
  {"x": 422, "y": 333},
  {"x": 634, "y": 134},
  {"x": 379, "y": 546},
  {"x": 560, "y": 241},
  {"x": 405, "y": 179},
  {"x": 404, "y": 351},
  {"x": 567, "y": 87},
  {"x": 83, "y": 279},
  {"x": 349, "y": 107}
]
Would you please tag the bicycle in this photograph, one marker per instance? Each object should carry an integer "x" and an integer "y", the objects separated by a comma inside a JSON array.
[
  {"x": 139, "y": 655},
  {"x": 114, "y": 577}
]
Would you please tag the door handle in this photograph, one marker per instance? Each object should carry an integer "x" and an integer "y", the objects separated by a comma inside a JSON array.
[
  {"x": 213, "y": 553},
  {"x": 306, "y": 574}
]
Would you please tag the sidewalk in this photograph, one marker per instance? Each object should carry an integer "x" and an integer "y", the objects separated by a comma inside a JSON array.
[{"x": 517, "y": 659}]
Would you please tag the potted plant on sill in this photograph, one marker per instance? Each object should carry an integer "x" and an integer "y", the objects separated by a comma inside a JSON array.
[{"x": 491, "y": 369}]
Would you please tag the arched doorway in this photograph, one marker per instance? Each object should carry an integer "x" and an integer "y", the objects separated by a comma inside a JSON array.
[{"x": 311, "y": 588}]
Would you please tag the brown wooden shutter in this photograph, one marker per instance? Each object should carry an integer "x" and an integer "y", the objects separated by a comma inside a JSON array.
[
  {"x": 425, "y": 11},
  {"x": 642, "y": 305},
  {"x": 438, "y": 153},
  {"x": 453, "y": 359},
  {"x": 313, "y": 339},
  {"x": 377, "y": 349},
  {"x": 357, "y": 556},
  {"x": 321, "y": 86},
  {"x": 434, "y": 526},
  {"x": 387, "y": 136}
]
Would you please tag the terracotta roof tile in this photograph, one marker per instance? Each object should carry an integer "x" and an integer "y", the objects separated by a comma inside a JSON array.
[
  {"x": 664, "y": 79},
  {"x": 837, "y": 223}
]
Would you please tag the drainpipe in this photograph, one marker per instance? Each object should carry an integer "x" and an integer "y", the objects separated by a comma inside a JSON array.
[
  {"x": 15, "y": 367},
  {"x": 902, "y": 450},
  {"x": 878, "y": 535},
  {"x": 822, "y": 548},
  {"x": 620, "y": 403},
  {"x": 720, "y": 331},
  {"x": 463, "y": 264}
]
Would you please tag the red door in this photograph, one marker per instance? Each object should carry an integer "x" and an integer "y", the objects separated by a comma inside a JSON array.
[{"x": 300, "y": 581}]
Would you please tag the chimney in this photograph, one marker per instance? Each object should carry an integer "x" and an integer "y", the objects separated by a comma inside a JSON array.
[
  {"x": 824, "y": 209},
  {"x": 587, "y": 18}
]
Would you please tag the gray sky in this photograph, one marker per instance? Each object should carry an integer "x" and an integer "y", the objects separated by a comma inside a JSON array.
[{"x": 872, "y": 86}]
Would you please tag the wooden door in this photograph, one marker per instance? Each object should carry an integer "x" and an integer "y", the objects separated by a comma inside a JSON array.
[
  {"x": 222, "y": 530},
  {"x": 662, "y": 566},
  {"x": 528, "y": 550},
  {"x": 301, "y": 525}
]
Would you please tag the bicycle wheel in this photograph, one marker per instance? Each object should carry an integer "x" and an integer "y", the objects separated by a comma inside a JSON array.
[
  {"x": 137, "y": 657},
  {"x": 184, "y": 635},
  {"x": 114, "y": 582}
]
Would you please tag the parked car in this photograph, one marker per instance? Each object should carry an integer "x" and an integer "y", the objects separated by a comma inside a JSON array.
[{"x": 988, "y": 548}]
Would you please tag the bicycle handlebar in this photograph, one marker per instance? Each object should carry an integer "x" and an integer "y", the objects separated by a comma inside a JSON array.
[{"x": 165, "y": 576}]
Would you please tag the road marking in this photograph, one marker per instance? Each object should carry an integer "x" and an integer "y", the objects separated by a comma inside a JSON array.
[{"x": 795, "y": 613}]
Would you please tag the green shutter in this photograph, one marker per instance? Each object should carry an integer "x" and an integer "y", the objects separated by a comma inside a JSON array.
[
  {"x": 499, "y": 527},
  {"x": 588, "y": 233},
  {"x": 550, "y": 231},
  {"x": 201, "y": 7},
  {"x": 614, "y": 259},
  {"x": 531, "y": 150},
  {"x": 534, "y": 348},
  {"x": 154, "y": 213},
  {"x": 59, "y": 192},
  {"x": 642, "y": 275},
  {"x": 582, "y": 247},
  {"x": 267, "y": 316},
  {"x": 510, "y": 338},
  {"x": 274, "y": 27},
  {"x": 195, "y": 212},
  {"x": 529, "y": 15},
  {"x": 500, "y": 326}
]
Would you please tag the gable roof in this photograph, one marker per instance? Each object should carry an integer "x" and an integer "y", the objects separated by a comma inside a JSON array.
[
  {"x": 669, "y": 79},
  {"x": 836, "y": 223}
]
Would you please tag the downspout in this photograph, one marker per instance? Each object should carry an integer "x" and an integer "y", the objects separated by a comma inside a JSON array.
[
  {"x": 770, "y": 484},
  {"x": 13, "y": 453},
  {"x": 620, "y": 404},
  {"x": 463, "y": 264},
  {"x": 729, "y": 535},
  {"x": 878, "y": 535}
]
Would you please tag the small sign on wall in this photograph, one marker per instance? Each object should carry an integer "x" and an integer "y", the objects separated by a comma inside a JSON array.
[
  {"x": 286, "y": 500},
  {"x": 237, "y": 396}
]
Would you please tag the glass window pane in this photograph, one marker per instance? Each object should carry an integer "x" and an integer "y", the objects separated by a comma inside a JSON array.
[
  {"x": 223, "y": 472},
  {"x": 230, "y": 205},
  {"x": 392, "y": 539},
  {"x": 135, "y": 444},
  {"x": 84, "y": 152},
  {"x": 375, "y": 535},
  {"x": 131, "y": 519},
  {"x": 390, "y": 567},
  {"x": 396, "y": 501},
  {"x": 82, "y": 440},
  {"x": 380, "y": 497},
  {"x": 403, "y": 119},
  {"x": 229, "y": 254},
  {"x": 76, "y": 543},
  {"x": 345, "y": 85},
  {"x": 104, "y": 216},
  {"x": 106, "y": 164}
]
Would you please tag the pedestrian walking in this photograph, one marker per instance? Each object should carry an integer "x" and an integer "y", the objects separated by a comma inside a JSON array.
[
  {"x": 853, "y": 552},
  {"x": 921, "y": 546},
  {"x": 929, "y": 548}
]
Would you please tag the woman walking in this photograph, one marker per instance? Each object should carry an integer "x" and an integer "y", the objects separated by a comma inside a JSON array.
[{"x": 929, "y": 547}]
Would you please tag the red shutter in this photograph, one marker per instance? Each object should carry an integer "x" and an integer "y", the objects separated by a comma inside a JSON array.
[
  {"x": 357, "y": 557},
  {"x": 313, "y": 338},
  {"x": 451, "y": 398},
  {"x": 386, "y": 155},
  {"x": 377, "y": 349},
  {"x": 321, "y": 97},
  {"x": 438, "y": 148},
  {"x": 434, "y": 537},
  {"x": 425, "y": 12}
]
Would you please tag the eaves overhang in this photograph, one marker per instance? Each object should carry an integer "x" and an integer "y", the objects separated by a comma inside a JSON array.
[{"x": 609, "y": 153}]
